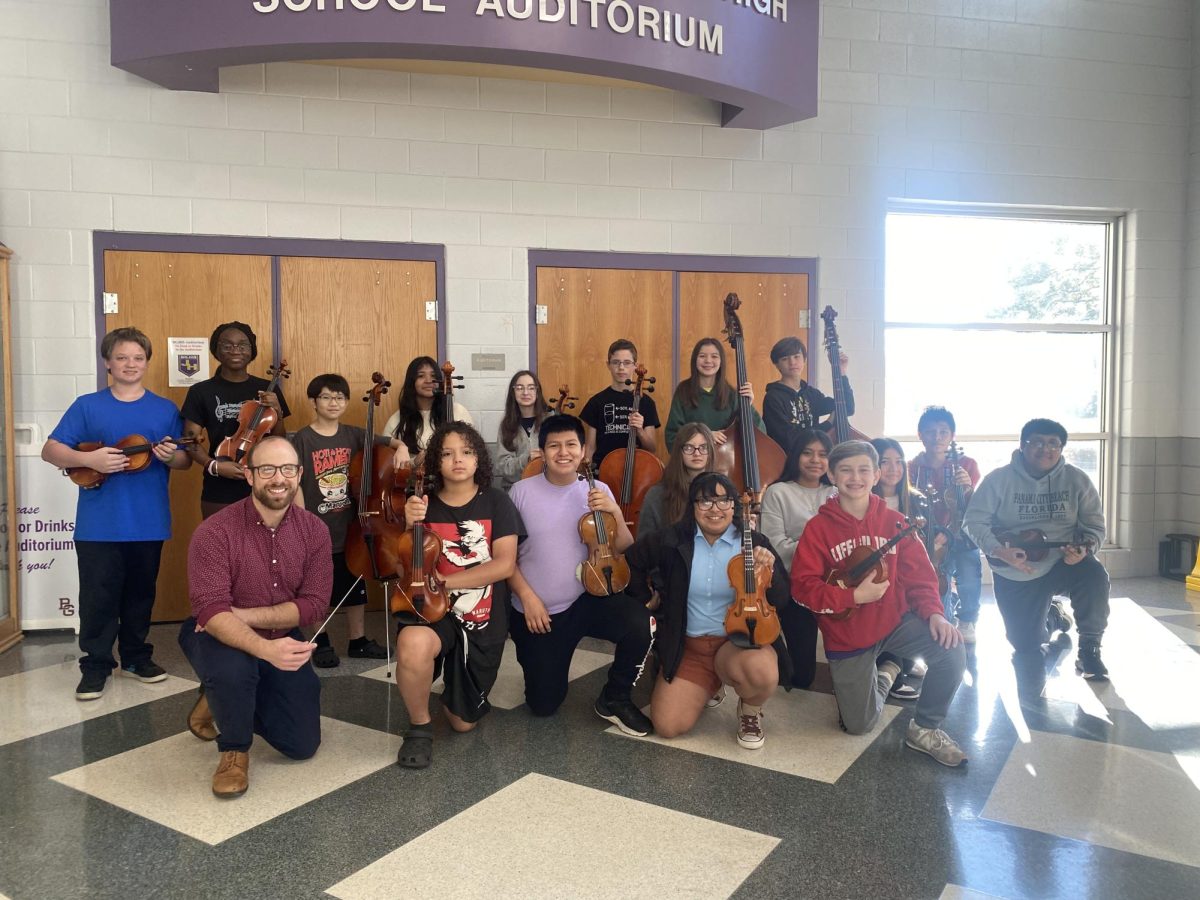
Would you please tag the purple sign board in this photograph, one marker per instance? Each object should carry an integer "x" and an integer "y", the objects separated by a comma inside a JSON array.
[{"x": 758, "y": 58}]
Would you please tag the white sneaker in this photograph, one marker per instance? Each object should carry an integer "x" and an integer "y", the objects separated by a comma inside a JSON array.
[
  {"x": 967, "y": 630},
  {"x": 716, "y": 699},
  {"x": 936, "y": 743},
  {"x": 750, "y": 729}
]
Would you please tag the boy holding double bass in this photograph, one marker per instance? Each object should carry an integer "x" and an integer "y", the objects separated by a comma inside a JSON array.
[{"x": 121, "y": 524}]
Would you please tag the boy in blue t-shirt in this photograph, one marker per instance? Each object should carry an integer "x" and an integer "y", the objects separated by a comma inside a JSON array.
[{"x": 120, "y": 525}]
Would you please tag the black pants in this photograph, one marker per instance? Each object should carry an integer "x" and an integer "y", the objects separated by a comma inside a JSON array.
[
  {"x": 800, "y": 632},
  {"x": 116, "y": 595},
  {"x": 249, "y": 696},
  {"x": 1024, "y": 604},
  {"x": 546, "y": 658}
]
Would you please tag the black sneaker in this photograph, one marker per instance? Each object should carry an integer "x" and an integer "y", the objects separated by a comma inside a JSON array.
[
  {"x": 1057, "y": 618},
  {"x": 366, "y": 649},
  {"x": 1089, "y": 664},
  {"x": 148, "y": 672},
  {"x": 326, "y": 657},
  {"x": 91, "y": 685},
  {"x": 624, "y": 714}
]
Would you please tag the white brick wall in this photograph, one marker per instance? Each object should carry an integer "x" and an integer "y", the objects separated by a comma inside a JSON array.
[{"x": 1029, "y": 102}]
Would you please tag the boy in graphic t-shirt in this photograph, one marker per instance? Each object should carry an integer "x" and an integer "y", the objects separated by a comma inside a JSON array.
[
  {"x": 608, "y": 415},
  {"x": 326, "y": 447}
]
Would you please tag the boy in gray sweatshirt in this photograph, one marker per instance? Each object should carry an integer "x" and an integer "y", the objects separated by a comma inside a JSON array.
[{"x": 1038, "y": 490}]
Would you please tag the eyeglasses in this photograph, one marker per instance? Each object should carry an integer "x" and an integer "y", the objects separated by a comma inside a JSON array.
[
  {"x": 287, "y": 470},
  {"x": 1052, "y": 446},
  {"x": 694, "y": 449},
  {"x": 331, "y": 398},
  {"x": 719, "y": 502},
  {"x": 622, "y": 363},
  {"x": 228, "y": 347}
]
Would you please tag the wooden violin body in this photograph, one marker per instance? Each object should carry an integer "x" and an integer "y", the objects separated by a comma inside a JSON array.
[
  {"x": 372, "y": 540},
  {"x": 136, "y": 448},
  {"x": 418, "y": 589},
  {"x": 631, "y": 472},
  {"x": 863, "y": 563},
  {"x": 1033, "y": 542},
  {"x": 255, "y": 421},
  {"x": 750, "y": 619},
  {"x": 605, "y": 571}
]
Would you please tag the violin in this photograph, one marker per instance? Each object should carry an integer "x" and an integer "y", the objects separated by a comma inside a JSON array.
[
  {"x": 136, "y": 448},
  {"x": 604, "y": 572},
  {"x": 863, "y": 563},
  {"x": 1033, "y": 542},
  {"x": 747, "y": 457},
  {"x": 953, "y": 499},
  {"x": 631, "y": 472},
  {"x": 255, "y": 420},
  {"x": 564, "y": 402},
  {"x": 372, "y": 540},
  {"x": 839, "y": 425},
  {"x": 750, "y": 619},
  {"x": 418, "y": 589}
]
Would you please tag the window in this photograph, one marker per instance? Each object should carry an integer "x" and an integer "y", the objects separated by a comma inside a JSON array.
[{"x": 1003, "y": 317}]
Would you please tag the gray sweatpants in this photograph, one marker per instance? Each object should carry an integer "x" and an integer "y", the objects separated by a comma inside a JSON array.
[{"x": 860, "y": 695}]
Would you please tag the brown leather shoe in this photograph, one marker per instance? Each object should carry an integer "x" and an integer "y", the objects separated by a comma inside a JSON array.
[
  {"x": 233, "y": 774},
  {"x": 200, "y": 720}
]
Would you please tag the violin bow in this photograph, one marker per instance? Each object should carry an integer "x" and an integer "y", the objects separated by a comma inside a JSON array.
[{"x": 336, "y": 608}]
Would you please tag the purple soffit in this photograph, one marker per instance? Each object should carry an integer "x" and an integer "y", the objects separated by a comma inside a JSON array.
[{"x": 758, "y": 58}]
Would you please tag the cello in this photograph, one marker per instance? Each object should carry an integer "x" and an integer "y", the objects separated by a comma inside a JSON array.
[
  {"x": 839, "y": 425},
  {"x": 751, "y": 618},
  {"x": 564, "y": 402},
  {"x": 447, "y": 391},
  {"x": 631, "y": 472},
  {"x": 605, "y": 571},
  {"x": 255, "y": 420},
  {"x": 747, "y": 457},
  {"x": 419, "y": 591},
  {"x": 372, "y": 540}
]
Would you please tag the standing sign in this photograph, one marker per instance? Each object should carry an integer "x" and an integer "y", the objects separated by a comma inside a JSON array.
[
  {"x": 47, "y": 570},
  {"x": 187, "y": 361}
]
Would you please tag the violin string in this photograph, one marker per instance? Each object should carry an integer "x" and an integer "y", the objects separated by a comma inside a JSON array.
[{"x": 336, "y": 608}]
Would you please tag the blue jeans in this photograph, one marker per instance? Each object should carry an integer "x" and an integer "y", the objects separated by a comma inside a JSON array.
[{"x": 965, "y": 567}]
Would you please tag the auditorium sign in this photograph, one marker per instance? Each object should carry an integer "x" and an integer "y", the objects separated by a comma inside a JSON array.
[{"x": 757, "y": 57}]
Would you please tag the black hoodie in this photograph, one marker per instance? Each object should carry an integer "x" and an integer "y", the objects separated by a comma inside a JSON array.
[{"x": 786, "y": 412}]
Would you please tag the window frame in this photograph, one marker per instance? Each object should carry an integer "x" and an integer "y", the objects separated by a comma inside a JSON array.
[{"x": 1110, "y": 327}]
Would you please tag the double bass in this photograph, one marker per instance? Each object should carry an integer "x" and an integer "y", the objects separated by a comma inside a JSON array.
[
  {"x": 419, "y": 591},
  {"x": 255, "y": 420},
  {"x": 751, "y": 618},
  {"x": 561, "y": 405},
  {"x": 373, "y": 539},
  {"x": 748, "y": 458},
  {"x": 631, "y": 472},
  {"x": 839, "y": 425}
]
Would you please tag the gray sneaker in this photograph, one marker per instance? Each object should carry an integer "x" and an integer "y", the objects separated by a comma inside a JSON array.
[
  {"x": 936, "y": 743},
  {"x": 750, "y": 728}
]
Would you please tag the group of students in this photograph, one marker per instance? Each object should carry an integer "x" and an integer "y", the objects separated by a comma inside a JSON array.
[{"x": 268, "y": 560}]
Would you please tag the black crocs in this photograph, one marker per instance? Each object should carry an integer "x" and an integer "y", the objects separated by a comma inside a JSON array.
[{"x": 417, "y": 750}]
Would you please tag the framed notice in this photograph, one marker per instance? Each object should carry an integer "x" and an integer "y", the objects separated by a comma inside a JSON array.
[{"x": 187, "y": 361}]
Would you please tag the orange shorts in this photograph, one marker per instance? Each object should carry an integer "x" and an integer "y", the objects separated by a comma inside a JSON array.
[{"x": 699, "y": 663}]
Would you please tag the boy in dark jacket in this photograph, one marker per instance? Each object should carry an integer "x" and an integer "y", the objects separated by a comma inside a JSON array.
[
  {"x": 791, "y": 404},
  {"x": 868, "y": 629}
]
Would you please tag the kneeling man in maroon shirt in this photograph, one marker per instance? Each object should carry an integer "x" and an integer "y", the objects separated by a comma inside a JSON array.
[{"x": 258, "y": 570}]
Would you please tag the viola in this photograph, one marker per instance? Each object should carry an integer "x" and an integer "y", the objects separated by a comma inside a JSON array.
[
  {"x": 1033, "y": 542},
  {"x": 419, "y": 591},
  {"x": 747, "y": 457},
  {"x": 631, "y": 472},
  {"x": 605, "y": 571},
  {"x": 255, "y": 420},
  {"x": 839, "y": 425},
  {"x": 372, "y": 540},
  {"x": 751, "y": 618},
  {"x": 559, "y": 405},
  {"x": 863, "y": 563},
  {"x": 136, "y": 448}
]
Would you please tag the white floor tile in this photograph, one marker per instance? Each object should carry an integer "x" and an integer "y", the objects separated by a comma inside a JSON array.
[
  {"x": 1119, "y": 797},
  {"x": 803, "y": 736},
  {"x": 559, "y": 841},
  {"x": 170, "y": 781},
  {"x": 41, "y": 700},
  {"x": 955, "y": 892},
  {"x": 509, "y": 690}
]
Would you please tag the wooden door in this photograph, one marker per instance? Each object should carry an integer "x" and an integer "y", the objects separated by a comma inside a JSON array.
[
  {"x": 588, "y": 309},
  {"x": 186, "y": 295},
  {"x": 353, "y": 317},
  {"x": 773, "y": 307}
]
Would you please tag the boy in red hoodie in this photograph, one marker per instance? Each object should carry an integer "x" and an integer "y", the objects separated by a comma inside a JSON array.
[{"x": 869, "y": 628}]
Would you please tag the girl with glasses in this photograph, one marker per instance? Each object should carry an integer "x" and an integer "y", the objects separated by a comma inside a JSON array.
[
  {"x": 517, "y": 442},
  {"x": 694, "y": 452}
]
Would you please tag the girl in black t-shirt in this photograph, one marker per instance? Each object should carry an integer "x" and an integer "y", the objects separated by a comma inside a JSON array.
[
  {"x": 479, "y": 528},
  {"x": 211, "y": 408}
]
